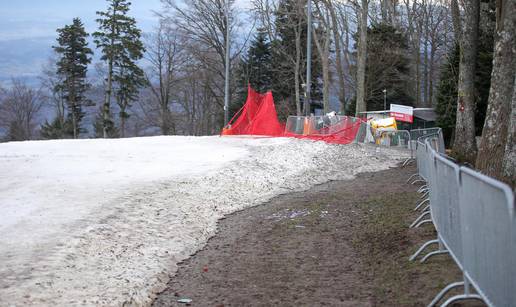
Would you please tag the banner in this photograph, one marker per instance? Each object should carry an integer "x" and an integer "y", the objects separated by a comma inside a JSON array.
[{"x": 402, "y": 113}]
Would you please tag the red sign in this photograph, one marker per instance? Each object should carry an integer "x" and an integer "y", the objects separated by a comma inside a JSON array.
[{"x": 402, "y": 117}]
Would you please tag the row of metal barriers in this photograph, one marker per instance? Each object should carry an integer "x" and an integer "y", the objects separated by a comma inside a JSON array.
[
  {"x": 406, "y": 139},
  {"x": 474, "y": 216}
]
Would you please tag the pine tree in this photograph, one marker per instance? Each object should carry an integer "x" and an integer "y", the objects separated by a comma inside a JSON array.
[
  {"x": 72, "y": 67},
  {"x": 129, "y": 79},
  {"x": 57, "y": 129},
  {"x": 119, "y": 40},
  {"x": 254, "y": 69},
  {"x": 259, "y": 63}
]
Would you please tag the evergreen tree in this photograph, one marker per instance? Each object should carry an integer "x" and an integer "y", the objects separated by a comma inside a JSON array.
[
  {"x": 72, "y": 66},
  {"x": 289, "y": 20},
  {"x": 119, "y": 40},
  {"x": 129, "y": 79},
  {"x": 57, "y": 129},
  {"x": 387, "y": 67},
  {"x": 259, "y": 63},
  {"x": 255, "y": 69}
]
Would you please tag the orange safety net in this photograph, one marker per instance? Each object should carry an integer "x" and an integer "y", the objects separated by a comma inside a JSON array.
[{"x": 257, "y": 117}]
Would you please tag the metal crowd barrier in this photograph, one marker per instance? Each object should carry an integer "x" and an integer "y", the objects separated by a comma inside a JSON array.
[
  {"x": 318, "y": 125},
  {"x": 488, "y": 227},
  {"x": 399, "y": 138},
  {"x": 476, "y": 225},
  {"x": 418, "y": 133},
  {"x": 362, "y": 133}
]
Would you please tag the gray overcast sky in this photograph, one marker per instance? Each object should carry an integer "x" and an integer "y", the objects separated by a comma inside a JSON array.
[
  {"x": 40, "y": 18},
  {"x": 28, "y": 30}
]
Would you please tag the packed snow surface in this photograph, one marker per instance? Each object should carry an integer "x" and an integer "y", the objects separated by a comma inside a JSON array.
[{"x": 104, "y": 222}]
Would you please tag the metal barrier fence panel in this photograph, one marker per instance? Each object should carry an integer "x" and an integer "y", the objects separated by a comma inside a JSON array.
[
  {"x": 488, "y": 228},
  {"x": 423, "y": 160},
  {"x": 438, "y": 140},
  {"x": 362, "y": 133},
  {"x": 295, "y": 124},
  {"x": 444, "y": 203},
  {"x": 400, "y": 138},
  {"x": 417, "y": 133},
  {"x": 318, "y": 125}
]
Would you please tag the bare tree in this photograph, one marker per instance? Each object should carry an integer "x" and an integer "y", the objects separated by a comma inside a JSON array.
[
  {"x": 166, "y": 56},
  {"x": 19, "y": 110},
  {"x": 414, "y": 28},
  {"x": 204, "y": 22},
  {"x": 323, "y": 47},
  {"x": 438, "y": 37},
  {"x": 49, "y": 81},
  {"x": 496, "y": 156},
  {"x": 389, "y": 10},
  {"x": 430, "y": 18},
  {"x": 345, "y": 24},
  {"x": 338, "y": 55},
  {"x": 464, "y": 144}
]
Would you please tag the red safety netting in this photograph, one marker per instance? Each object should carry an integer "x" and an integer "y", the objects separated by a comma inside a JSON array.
[
  {"x": 343, "y": 131},
  {"x": 258, "y": 117}
]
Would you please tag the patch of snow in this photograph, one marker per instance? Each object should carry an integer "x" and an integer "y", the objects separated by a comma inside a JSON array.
[{"x": 104, "y": 222}]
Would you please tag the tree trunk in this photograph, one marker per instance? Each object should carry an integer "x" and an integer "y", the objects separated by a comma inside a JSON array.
[
  {"x": 122, "y": 122},
  {"x": 432, "y": 72},
  {"x": 165, "y": 121},
  {"x": 509, "y": 159},
  {"x": 194, "y": 108},
  {"x": 425, "y": 61},
  {"x": 496, "y": 155},
  {"x": 296, "y": 72},
  {"x": 74, "y": 122},
  {"x": 457, "y": 24},
  {"x": 465, "y": 144},
  {"x": 107, "y": 100},
  {"x": 417, "y": 60},
  {"x": 326, "y": 72},
  {"x": 361, "y": 61}
]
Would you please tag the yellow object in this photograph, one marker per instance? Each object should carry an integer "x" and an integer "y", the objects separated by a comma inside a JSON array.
[
  {"x": 381, "y": 125},
  {"x": 388, "y": 124}
]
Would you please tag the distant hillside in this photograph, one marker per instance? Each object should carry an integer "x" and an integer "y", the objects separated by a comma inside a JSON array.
[{"x": 23, "y": 58}]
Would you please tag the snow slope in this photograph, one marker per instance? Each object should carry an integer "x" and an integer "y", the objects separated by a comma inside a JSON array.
[{"x": 104, "y": 222}]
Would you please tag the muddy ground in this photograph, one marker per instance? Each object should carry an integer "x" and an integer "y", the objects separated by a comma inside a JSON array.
[{"x": 344, "y": 243}]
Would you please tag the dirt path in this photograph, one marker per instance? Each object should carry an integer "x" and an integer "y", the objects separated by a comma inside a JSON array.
[{"x": 344, "y": 243}]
